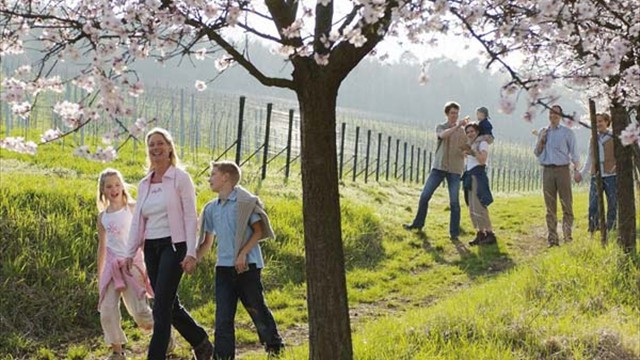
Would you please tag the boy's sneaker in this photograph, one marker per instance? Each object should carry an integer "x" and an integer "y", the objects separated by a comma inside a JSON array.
[
  {"x": 204, "y": 351},
  {"x": 117, "y": 356}
]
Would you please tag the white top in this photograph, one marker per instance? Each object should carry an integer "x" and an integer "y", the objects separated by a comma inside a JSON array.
[
  {"x": 116, "y": 224},
  {"x": 472, "y": 161},
  {"x": 154, "y": 211}
]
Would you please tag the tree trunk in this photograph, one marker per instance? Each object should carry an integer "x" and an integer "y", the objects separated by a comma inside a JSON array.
[
  {"x": 625, "y": 189},
  {"x": 328, "y": 309}
]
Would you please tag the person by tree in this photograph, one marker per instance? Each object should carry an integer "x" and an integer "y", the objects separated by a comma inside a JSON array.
[{"x": 556, "y": 150}]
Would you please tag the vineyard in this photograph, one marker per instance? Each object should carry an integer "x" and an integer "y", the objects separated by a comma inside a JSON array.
[{"x": 265, "y": 133}]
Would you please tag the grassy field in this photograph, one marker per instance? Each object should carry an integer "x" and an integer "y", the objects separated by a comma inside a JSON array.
[{"x": 412, "y": 295}]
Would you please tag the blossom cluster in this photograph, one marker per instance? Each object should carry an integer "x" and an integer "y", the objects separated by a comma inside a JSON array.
[
  {"x": 18, "y": 144},
  {"x": 107, "y": 154}
]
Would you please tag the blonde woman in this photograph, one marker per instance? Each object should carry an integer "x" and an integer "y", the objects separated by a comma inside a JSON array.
[{"x": 164, "y": 224}]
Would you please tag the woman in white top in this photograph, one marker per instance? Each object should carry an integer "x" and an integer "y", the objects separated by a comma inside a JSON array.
[
  {"x": 164, "y": 223},
  {"x": 477, "y": 192}
]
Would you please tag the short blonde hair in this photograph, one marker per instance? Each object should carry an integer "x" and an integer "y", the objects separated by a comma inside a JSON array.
[
  {"x": 173, "y": 157},
  {"x": 101, "y": 199},
  {"x": 230, "y": 168},
  {"x": 606, "y": 117}
]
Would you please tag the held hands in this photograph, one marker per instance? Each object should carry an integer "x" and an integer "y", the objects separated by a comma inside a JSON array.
[
  {"x": 189, "y": 264},
  {"x": 577, "y": 176}
]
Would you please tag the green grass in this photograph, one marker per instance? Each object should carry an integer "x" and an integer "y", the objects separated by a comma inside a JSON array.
[
  {"x": 576, "y": 302},
  {"x": 412, "y": 295}
]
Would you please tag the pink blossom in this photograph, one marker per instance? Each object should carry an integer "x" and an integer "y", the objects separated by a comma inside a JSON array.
[
  {"x": 18, "y": 144},
  {"x": 50, "y": 135},
  {"x": 136, "y": 89},
  {"x": 322, "y": 60},
  {"x": 631, "y": 134},
  {"x": 210, "y": 10},
  {"x": 22, "y": 109},
  {"x": 200, "y": 85},
  {"x": 69, "y": 112},
  {"x": 200, "y": 53},
  {"x": 138, "y": 128},
  {"x": 223, "y": 63},
  {"x": 232, "y": 15}
]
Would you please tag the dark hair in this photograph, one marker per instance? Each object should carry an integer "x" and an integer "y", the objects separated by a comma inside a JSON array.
[
  {"x": 559, "y": 108},
  {"x": 475, "y": 126},
  {"x": 451, "y": 105}
]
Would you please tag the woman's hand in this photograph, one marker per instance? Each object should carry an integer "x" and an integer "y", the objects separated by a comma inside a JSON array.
[{"x": 189, "y": 264}]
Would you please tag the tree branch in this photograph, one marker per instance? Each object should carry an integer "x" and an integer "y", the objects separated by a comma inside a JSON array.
[{"x": 237, "y": 56}]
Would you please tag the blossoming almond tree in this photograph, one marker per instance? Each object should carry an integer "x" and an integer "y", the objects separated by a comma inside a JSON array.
[
  {"x": 590, "y": 45},
  {"x": 323, "y": 42}
]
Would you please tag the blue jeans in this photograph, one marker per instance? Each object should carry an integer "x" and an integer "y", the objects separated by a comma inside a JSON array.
[
  {"x": 436, "y": 177},
  {"x": 165, "y": 272},
  {"x": 247, "y": 287},
  {"x": 609, "y": 187}
]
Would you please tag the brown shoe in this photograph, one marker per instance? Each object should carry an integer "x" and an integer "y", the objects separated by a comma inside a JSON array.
[
  {"x": 488, "y": 239},
  {"x": 476, "y": 241}
]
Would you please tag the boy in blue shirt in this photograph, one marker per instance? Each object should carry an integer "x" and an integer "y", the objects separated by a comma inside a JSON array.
[{"x": 238, "y": 221}]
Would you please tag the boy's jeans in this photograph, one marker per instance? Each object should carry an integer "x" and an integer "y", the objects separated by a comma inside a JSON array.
[
  {"x": 165, "y": 272},
  {"x": 436, "y": 177},
  {"x": 609, "y": 187},
  {"x": 247, "y": 287}
]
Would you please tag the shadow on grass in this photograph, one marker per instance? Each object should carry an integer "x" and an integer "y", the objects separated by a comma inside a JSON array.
[{"x": 488, "y": 259}]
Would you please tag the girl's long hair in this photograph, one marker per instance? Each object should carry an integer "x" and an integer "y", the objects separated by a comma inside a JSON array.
[{"x": 101, "y": 199}]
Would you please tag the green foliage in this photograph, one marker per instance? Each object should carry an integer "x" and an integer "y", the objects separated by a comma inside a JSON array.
[
  {"x": 412, "y": 295},
  {"x": 77, "y": 352},
  {"x": 579, "y": 302}
]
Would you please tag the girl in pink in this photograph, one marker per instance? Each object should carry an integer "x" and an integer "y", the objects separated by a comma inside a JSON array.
[{"x": 115, "y": 208}]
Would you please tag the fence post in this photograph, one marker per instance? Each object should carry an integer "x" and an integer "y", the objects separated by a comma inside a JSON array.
[
  {"x": 343, "y": 128},
  {"x": 366, "y": 163},
  {"x": 504, "y": 178},
  {"x": 192, "y": 116},
  {"x": 289, "y": 136},
  {"x": 267, "y": 130},
  {"x": 395, "y": 170},
  {"x": 378, "y": 157},
  {"x": 418, "y": 166},
  {"x": 491, "y": 181},
  {"x": 355, "y": 156},
  {"x": 424, "y": 165},
  {"x": 239, "y": 133},
  {"x": 182, "y": 123},
  {"x": 430, "y": 159},
  {"x": 404, "y": 163},
  {"x": 411, "y": 165},
  {"x": 388, "y": 157}
]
